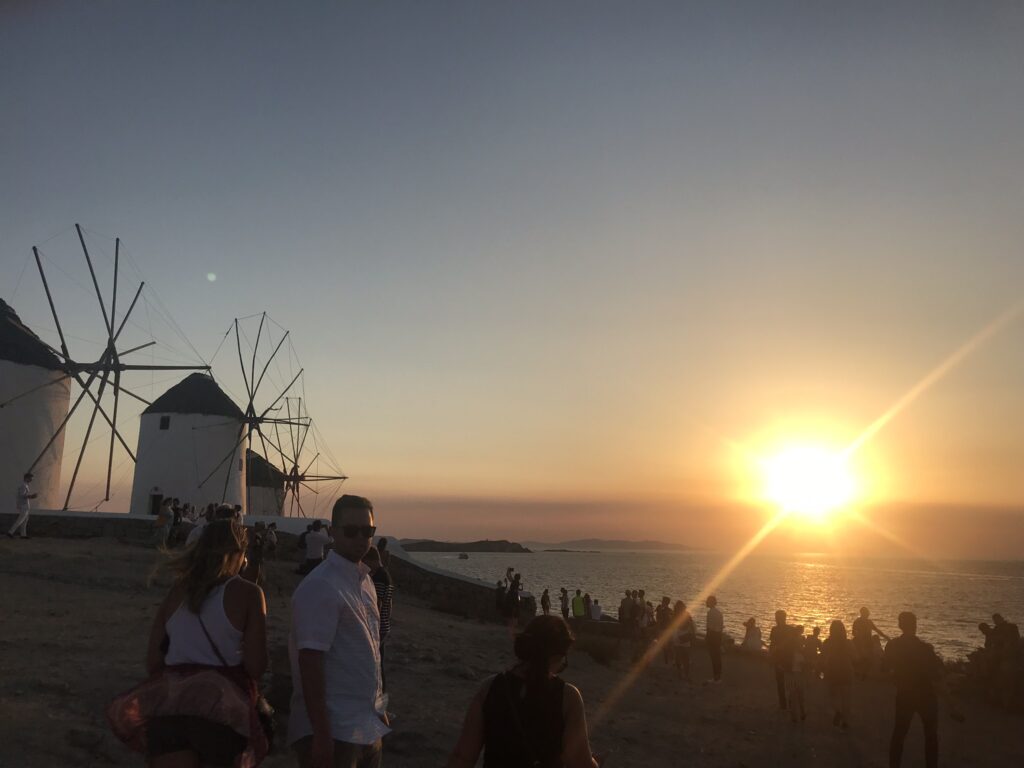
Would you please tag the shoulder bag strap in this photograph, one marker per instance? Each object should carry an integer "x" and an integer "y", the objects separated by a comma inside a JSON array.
[{"x": 212, "y": 644}]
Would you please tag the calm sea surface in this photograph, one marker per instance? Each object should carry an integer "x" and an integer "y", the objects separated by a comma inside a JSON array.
[{"x": 949, "y": 598}]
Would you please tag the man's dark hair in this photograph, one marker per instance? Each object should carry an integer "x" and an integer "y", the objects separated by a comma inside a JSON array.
[
  {"x": 907, "y": 620},
  {"x": 350, "y": 501},
  {"x": 317, "y": 525}
]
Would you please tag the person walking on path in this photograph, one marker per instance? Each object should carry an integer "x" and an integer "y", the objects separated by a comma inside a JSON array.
[
  {"x": 545, "y": 603},
  {"x": 915, "y": 670},
  {"x": 563, "y": 603},
  {"x": 779, "y": 649},
  {"x": 863, "y": 631},
  {"x": 22, "y": 498},
  {"x": 337, "y": 713},
  {"x": 528, "y": 716},
  {"x": 714, "y": 629}
]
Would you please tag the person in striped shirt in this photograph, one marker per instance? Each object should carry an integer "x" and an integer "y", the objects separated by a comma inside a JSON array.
[{"x": 385, "y": 587}]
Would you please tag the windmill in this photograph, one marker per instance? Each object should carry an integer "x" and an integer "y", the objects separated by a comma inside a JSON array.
[
  {"x": 303, "y": 470},
  {"x": 96, "y": 379},
  {"x": 284, "y": 415}
]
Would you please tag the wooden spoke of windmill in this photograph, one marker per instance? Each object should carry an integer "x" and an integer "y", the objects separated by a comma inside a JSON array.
[{"x": 103, "y": 373}]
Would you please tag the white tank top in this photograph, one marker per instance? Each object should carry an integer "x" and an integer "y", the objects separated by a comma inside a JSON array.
[{"x": 188, "y": 641}]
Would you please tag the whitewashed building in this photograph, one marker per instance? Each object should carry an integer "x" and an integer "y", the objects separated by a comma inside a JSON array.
[
  {"x": 191, "y": 448},
  {"x": 33, "y": 375},
  {"x": 266, "y": 487}
]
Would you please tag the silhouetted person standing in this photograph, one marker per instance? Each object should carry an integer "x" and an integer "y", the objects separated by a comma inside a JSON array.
[
  {"x": 779, "y": 649},
  {"x": 862, "y": 628},
  {"x": 915, "y": 669},
  {"x": 714, "y": 629}
]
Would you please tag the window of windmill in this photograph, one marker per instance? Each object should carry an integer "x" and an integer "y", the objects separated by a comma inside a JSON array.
[{"x": 165, "y": 422}]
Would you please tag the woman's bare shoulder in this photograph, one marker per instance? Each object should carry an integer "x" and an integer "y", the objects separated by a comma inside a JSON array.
[{"x": 243, "y": 590}]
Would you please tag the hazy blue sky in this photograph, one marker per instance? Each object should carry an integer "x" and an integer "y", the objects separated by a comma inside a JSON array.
[{"x": 558, "y": 252}]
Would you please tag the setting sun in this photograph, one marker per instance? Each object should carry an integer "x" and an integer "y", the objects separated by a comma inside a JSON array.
[{"x": 808, "y": 481}]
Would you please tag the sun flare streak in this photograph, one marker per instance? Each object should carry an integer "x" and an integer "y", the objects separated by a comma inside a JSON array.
[
  {"x": 935, "y": 375},
  {"x": 634, "y": 672}
]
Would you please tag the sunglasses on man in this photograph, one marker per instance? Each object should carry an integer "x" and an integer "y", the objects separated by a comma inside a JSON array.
[{"x": 363, "y": 531}]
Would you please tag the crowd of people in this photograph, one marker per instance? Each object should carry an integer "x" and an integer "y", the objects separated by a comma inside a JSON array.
[
  {"x": 798, "y": 656},
  {"x": 207, "y": 650}
]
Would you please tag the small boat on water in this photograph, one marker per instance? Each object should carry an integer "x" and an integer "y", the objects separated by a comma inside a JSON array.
[{"x": 463, "y": 556}]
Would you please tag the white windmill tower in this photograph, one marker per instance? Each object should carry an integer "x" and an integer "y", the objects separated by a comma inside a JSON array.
[
  {"x": 34, "y": 399},
  {"x": 188, "y": 448}
]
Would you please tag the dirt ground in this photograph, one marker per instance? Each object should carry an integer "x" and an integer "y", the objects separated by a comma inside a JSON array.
[{"x": 76, "y": 614}]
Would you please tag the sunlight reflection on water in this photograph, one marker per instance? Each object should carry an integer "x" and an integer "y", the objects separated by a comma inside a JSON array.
[{"x": 949, "y": 598}]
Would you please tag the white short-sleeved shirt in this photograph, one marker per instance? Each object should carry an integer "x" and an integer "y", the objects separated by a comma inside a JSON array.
[
  {"x": 716, "y": 623},
  {"x": 21, "y": 503},
  {"x": 315, "y": 543},
  {"x": 196, "y": 532},
  {"x": 334, "y": 610}
]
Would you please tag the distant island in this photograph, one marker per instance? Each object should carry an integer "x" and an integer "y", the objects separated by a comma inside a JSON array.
[
  {"x": 428, "y": 545},
  {"x": 605, "y": 545}
]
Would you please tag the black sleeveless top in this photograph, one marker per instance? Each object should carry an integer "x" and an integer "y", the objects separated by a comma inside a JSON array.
[{"x": 528, "y": 736}]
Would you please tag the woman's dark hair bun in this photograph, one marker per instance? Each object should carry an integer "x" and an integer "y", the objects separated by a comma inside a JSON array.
[{"x": 545, "y": 637}]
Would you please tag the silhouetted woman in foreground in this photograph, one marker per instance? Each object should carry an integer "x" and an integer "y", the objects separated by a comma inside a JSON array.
[
  {"x": 837, "y": 668},
  {"x": 207, "y": 647},
  {"x": 528, "y": 716}
]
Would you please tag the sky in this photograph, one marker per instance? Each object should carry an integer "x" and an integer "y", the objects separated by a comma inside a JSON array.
[{"x": 562, "y": 270}]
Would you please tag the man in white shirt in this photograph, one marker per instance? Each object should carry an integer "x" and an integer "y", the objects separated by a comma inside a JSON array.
[
  {"x": 317, "y": 541},
  {"x": 596, "y": 611},
  {"x": 21, "y": 506},
  {"x": 713, "y": 637},
  {"x": 337, "y": 710}
]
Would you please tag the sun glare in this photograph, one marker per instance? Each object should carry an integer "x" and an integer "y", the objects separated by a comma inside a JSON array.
[{"x": 808, "y": 481}]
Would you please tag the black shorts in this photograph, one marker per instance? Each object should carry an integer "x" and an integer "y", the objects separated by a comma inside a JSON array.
[{"x": 215, "y": 744}]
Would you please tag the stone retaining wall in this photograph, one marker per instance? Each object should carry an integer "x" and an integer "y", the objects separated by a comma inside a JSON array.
[{"x": 449, "y": 592}]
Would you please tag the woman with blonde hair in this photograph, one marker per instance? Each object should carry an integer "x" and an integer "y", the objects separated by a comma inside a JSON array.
[{"x": 207, "y": 648}]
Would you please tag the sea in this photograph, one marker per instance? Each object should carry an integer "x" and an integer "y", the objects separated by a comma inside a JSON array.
[{"x": 950, "y": 598}]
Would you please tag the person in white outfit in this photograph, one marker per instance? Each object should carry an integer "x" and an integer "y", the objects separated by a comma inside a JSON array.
[
  {"x": 21, "y": 506},
  {"x": 338, "y": 713}
]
